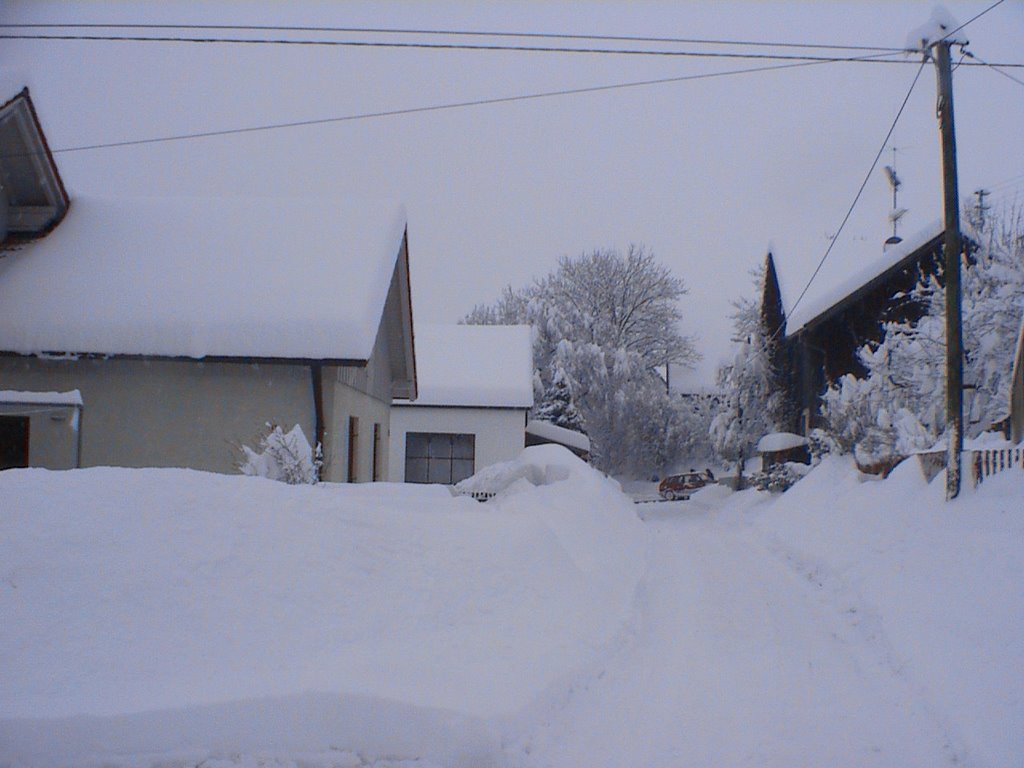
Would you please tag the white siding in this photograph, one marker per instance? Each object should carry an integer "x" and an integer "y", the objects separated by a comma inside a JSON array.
[
  {"x": 165, "y": 413},
  {"x": 340, "y": 403},
  {"x": 500, "y": 432}
]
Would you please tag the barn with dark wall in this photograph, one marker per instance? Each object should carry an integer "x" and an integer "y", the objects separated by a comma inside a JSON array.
[{"x": 823, "y": 335}]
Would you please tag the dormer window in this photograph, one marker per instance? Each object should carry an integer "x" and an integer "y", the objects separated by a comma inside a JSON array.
[{"x": 32, "y": 197}]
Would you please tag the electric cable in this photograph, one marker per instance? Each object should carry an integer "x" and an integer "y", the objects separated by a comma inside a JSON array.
[
  {"x": 432, "y": 108},
  {"x": 856, "y": 199},
  {"x": 976, "y": 17},
  {"x": 994, "y": 67},
  {"x": 885, "y": 57},
  {"x": 879, "y": 58},
  {"x": 459, "y": 33}
]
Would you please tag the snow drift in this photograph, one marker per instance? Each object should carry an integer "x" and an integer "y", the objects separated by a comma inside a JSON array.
[
  {"x": 931, "y": 591},
  {"x": 174, "y": 618},
  {"x": 170, "y": 612}
]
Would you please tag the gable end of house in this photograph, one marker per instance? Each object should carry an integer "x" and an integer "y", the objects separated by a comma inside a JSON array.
[{"x": 33, "y": 199}]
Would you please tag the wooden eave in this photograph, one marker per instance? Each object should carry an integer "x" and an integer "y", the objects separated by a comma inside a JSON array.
[
  {"x": 339, "y": 362},
  {"x": 852, "y": 298},
  {"x": 403, "y": 360}
]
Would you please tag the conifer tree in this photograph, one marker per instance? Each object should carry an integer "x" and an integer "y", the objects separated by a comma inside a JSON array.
[
  {"x": 756, "y": 400},
  {"x": 558, "y": 406}
]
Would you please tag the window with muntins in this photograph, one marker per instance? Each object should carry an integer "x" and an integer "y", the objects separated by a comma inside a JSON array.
[{"x": 439, "y": 457}]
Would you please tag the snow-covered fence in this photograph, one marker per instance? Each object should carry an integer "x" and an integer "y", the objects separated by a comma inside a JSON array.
[
  {"x": 988, "y": 462},
  {"x": 980, "y": 462},
  {"x": 478, "y": 495}
]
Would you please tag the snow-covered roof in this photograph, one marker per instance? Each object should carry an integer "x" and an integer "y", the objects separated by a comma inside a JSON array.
[
  {"x": 556, "y": 434},
  {"x": 205, "y": 277},
  {"x": 9, "y": 396},
  {"x": 780, "y": 441},
  {"x": 488, "y": 366},
  {"x": 823, "y": 296}
]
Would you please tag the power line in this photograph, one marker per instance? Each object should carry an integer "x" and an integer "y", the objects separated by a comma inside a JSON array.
[
  {"x": 876, "y": 58},
  {"x": 432, "y": 108},
  {"x": 460, "y": 33},
  {"x": 885, "y": 57},
  {"x": 994, "y": 67},
  {"x": 860, "y": 191},
  {"x": 976, "y": 17},
  {"x": 998, "y": 192},
  {"x": 1013, "y": 180}
]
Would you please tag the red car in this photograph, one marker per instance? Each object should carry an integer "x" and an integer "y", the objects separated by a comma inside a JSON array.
[{"x": 682, "y": 485}]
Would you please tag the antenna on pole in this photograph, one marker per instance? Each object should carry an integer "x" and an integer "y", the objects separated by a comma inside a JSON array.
[
  {"x": 981, "y": 207},
  {"x": 897, "y": 213}
]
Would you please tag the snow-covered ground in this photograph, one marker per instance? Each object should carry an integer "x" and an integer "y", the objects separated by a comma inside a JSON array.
[{"x": 176, "y": 618}]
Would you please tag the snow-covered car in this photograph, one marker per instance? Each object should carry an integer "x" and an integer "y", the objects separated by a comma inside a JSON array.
[{"x": 682, "y": 485}]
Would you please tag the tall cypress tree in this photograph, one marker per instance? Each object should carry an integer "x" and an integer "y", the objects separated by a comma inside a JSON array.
[{"x": 772, "y": 318}]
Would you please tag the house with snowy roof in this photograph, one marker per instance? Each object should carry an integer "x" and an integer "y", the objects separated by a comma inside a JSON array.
[
  {"x": 475, "y": 385},
  {"x": 186, "y": 325},
  {"x": 475, "y": 391},
  {"x": 825, "y": 330}
]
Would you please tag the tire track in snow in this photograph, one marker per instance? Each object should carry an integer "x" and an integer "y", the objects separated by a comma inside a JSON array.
[
  {"x": 861, "y": 628},
  {"x": 530, "y": 732},
  {"x": 732, "y": 661}
]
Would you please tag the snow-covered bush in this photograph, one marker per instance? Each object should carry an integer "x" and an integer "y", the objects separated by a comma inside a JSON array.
[
  {"x": 821, "y": 443},
  {"x": 866, "y": 420},
  {"x": 284, "y": 456},
  {"x": 779, "y": 477}
]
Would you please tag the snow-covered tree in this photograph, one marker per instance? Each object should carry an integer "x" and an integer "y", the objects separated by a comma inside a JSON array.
[
  {"x": 899, "y": 406},
  {"x": 743, "y": 417},
  {"x": 604, "y": 324},
  {"x": 558, "y": 405},
  {"x": 752, "y": 384}
]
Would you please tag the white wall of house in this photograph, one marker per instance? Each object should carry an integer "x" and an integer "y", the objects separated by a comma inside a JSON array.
[
  {"x": 341, "y": 402},
  {"x": 166, "y": 413},
  {"x": 500, "y": 432},
  {"x": 363, "y": 392}
]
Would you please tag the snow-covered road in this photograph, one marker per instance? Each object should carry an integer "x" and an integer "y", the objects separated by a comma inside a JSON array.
[
  {"x": 740, "y": 656},
  {"x": 175, "y": 618}
]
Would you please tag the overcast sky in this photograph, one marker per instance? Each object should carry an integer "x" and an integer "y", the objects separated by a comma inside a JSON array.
[{"x": 708, "y": 173}]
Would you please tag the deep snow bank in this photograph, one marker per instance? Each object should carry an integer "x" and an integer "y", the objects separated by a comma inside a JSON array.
[
  {"x": 933, "y": 591},
  {"x": 156, "y": 612}
]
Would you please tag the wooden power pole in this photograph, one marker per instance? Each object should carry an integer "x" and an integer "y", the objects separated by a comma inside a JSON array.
[{"x": 954, "y": 335}]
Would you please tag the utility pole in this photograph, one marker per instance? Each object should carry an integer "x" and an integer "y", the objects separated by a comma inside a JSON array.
[{"x": 954, "y": 335}]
